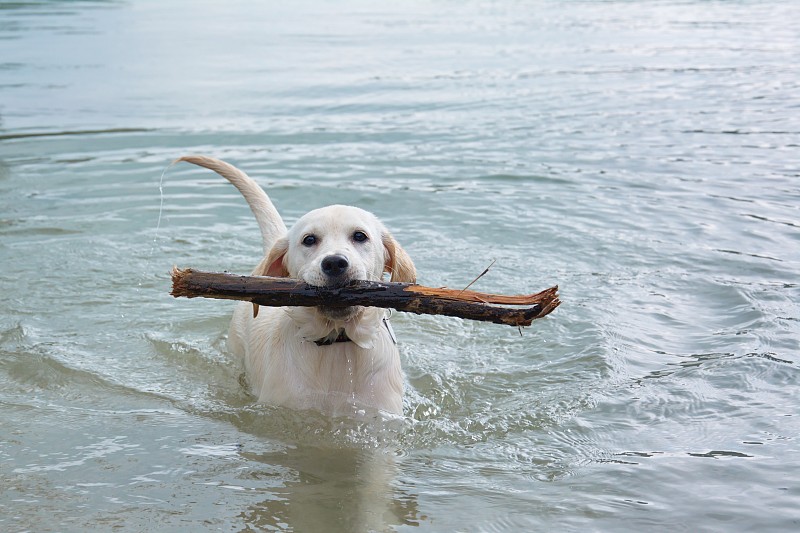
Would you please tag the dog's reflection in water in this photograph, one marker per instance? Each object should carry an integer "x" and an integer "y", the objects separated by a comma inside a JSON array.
[{"x": 333, "y": 489}]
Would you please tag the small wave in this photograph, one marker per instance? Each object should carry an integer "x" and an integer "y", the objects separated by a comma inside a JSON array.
[{"x": 65, "y": 133}]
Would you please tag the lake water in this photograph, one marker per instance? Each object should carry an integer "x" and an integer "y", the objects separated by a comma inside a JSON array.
[{"x": 643, "y": 155}]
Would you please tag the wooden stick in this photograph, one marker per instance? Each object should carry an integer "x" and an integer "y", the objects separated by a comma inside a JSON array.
[{"x": 411, "y": 298}]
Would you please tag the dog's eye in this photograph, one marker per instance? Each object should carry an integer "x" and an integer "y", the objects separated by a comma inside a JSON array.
[
  {"x": 360, "y": 236},
  {"x": 309, "y": 240}
]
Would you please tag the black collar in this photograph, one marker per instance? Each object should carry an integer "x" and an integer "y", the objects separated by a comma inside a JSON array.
[
  {"x": 340, "y": 335},
  {"x": 333, "y": 336}
]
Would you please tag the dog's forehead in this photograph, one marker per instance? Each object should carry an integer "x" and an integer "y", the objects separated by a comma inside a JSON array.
[{"x": 337, "y": 217}]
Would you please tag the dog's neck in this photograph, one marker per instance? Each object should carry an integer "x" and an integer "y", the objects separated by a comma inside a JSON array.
[{"x": 312, "y": 327}]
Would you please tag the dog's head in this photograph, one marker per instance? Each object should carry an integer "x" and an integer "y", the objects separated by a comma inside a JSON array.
[{"x": 334, "y": 245}]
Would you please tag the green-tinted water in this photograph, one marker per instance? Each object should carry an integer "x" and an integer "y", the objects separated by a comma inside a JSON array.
[{"x": 642, "y": 155}]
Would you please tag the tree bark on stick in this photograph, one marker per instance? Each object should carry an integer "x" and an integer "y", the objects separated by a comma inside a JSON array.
[{"x": 411, "y": 298}]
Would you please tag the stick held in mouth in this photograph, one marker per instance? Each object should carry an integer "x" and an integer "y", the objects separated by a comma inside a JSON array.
[{"x": 406, "y": 297}]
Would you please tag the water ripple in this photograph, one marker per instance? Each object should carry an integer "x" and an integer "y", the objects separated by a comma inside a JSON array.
[{"x": 640, "y": 155}]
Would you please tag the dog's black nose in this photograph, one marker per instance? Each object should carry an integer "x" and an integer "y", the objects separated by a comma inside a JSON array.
[{"x": 334, "y": 265}]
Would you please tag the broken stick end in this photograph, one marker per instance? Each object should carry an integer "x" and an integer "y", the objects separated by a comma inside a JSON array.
[
  {"x": 548, "y": 304},
  {"x": 179, "y": 287}
]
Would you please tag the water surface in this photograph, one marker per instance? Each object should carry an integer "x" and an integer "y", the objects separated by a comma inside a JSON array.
[{"x": 642, "y": 155}]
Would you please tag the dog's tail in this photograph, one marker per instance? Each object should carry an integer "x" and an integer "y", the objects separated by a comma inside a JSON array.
[{"x": 269, "y": 220}]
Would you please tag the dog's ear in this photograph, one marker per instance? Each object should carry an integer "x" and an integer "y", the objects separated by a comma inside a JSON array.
[
  {"x": 398, "y": 263},
  {"x": 274, "y": 264}
]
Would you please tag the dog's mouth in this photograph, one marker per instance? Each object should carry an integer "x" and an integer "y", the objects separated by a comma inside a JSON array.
[
  {"x": 324, "y": 282},
  {"x": 339, "y": 314},
  {"x": 337, "y": 283},
  {"x": 335, "y": 313}
]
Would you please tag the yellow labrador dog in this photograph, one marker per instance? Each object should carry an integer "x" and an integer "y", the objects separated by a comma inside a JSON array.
[{"x": 336, "y": 360}]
